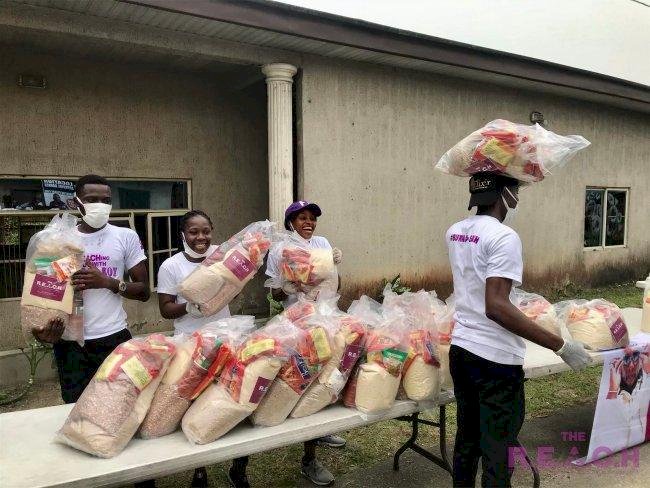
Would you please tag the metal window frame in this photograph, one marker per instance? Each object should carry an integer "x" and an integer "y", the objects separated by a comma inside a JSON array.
[
  {"x": 150, "y": 248},
  {"x": 603, "y": 235}
]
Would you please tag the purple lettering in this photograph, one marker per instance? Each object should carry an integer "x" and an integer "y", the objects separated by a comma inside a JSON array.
[
  {"x": 545, "y": 456},
  {"x": 516, "y": 455},
  {"x": 630, "y": 455}
]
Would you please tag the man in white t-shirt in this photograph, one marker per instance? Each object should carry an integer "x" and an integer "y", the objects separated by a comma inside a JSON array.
[
  {"x": 111, "y": 254},
  {"x": 487, "y": 346}
]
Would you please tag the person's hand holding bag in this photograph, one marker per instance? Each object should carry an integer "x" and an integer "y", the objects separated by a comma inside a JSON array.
[
  {"x": 91, "y": 278},
  {"x": 51, "y": 332},
  {"x": 574, "y": 354}
]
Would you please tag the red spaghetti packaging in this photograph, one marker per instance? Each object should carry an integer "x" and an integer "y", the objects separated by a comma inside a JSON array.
[
  {"x": 116, "y": 400},
  {"x": 527, "y": 153},
  {"x": 598, "y": 324},
  {"x": 53, "y": 256},
  {"x": 199, "y": 359},
  {"x": 348, "y": 338},
  {"x": 223, "y": 274},
  {"x": 243, "y": 384}
]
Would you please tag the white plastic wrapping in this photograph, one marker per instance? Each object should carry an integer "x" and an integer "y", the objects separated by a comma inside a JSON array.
[
  {"x": 538, "y": 309},
  {"x": 598, "y": 324}
]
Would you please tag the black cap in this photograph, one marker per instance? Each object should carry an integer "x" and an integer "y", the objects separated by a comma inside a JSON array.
[{"x": 485, "y": 188}]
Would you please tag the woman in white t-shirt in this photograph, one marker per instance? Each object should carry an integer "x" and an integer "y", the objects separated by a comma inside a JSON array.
[
  {"x": 196, "y": 233},
  {"x": 300, "y": 218}
]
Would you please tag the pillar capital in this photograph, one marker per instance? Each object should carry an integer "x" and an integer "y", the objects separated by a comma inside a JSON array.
[{"x": 279, "y": 72}]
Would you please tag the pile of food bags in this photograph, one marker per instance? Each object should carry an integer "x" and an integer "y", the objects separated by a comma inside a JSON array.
[
  {"x": 116, "y": 400},
  {"x": 53, "y": 256},
  {"x": 243, "y": 383},
  {"x": 348, "y": 335},
  {"x": 199, "y": 359},
  {"x": 303, "y": 366},
  {"x": 422, "y": 369},
  {"x": 222, "y": 275},
  {"x": 311, "y": 271},
  {"x": 598, "y": 324},
  {"x": 527, "y": 153},
  {"x": 538, "y": 309}
]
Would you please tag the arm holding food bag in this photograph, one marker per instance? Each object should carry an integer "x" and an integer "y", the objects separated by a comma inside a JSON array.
[
  {"x": 53, "y": 256},
  {"x": 222, "y": 275},
  {"x": 200, "y": 357},
  {"x": 538, "y": 309},
  {"x": 243, "y": 383}
]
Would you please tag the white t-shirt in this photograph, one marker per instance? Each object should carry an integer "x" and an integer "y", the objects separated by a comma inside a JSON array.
[
  {"x": 481, "y": 247},
  {"x": 275, "y": 256},
  {"x": 114, "y": 250},
  {"x": 171, "y": 273}
]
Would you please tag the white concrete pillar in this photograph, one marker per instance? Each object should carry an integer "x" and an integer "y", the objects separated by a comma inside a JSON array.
[{"x": 279, "y": 80}]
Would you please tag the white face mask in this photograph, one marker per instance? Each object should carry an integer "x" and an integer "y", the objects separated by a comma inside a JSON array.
[
  {"x": 96, "y": 214},
  {"x": 192, "y": 253},
  {"x": 511, "y": 213}
]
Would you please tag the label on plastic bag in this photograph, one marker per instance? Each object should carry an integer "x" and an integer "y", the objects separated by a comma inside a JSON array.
[
  {"x": 136, "y": 372},
  {"x": 48, "y": 287},
  {"x": 321, "y": 344},
  {"x": 261, "y": 387},
  {"x": 256, "y": 348},
  {"x": 336, "y": 382},
  {"x": 108, "y": 366},
  {"x": 350, "y": 356},
  {"x": 618, "y": 329},
  {"x": 239, "y": 265}
]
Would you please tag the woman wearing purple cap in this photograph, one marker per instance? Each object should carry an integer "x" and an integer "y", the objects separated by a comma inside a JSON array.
[{"x": 300, "y": 218}]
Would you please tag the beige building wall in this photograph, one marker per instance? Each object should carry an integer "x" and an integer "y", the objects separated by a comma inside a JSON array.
[
  {"x": 371, "y": 136},
  {"x": 128, "y": 120}
]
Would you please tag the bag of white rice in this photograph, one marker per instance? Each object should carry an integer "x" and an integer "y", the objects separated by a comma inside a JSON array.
[
  {"x": 243, "y": 383},
  {"x": 223, "y": 274},
  {"x": 116, "y": 400},
  {"x": 598, "y": 324},
  {"x": 53, "y": 256},
  {"x": 347, "y": 341},
  {"x": 302, "y": 368},
  {"x": 538, "y": 309},
  {"x": 200, "y": 357}
]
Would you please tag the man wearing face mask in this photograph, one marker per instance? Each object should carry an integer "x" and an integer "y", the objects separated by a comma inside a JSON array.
[
  {"x": 487, "y": 347},
  {"x": 111, "y": 254}
]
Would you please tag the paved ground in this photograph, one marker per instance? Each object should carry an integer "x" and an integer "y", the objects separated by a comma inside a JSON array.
[{"x": 417, "y": 472}]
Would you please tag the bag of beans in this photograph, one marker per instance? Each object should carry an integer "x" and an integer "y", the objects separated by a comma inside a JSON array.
[
  {"x": 538, "y": 309},
  {"x": 598, "y": 324},
  {"x": 223, "y": 274},
  {"x": 199, "y": 359},
  {"x": 53, "y": 256},
  {"x": 116, "y": 400},
  {"x": 243, "y": 383},
  {"x": 304, "y": 365},
  {"x": 348, "y": 336}
]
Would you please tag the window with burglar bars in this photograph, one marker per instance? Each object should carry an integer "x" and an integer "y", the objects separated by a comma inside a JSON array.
[
  {"x": 605, "y": 217},
  {"x": 28, "y": 206}
]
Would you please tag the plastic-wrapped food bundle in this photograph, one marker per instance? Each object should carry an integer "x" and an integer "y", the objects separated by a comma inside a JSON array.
[
  {"x": 312, "y": 270},
  {"x": 598, "y": 324},
  {"x": 199, "y": 359},
  {"x": 223, "y": 274},
  {"x": 421, "y": 379},
  {"x": 53, "y": 256},
  {"x": 303, "y": 367},
  {"x": 538, "y": 309},
  {"x": 446, "y": 382},
  {"x": 116, "y": 400},
  {"x": 527, "y": 153},
  {"x": 445, "y": 321},
  {"x": 243, "y": 383},
  {"x": 301, "y": 310},
  {"x": 347, "y": 344}
]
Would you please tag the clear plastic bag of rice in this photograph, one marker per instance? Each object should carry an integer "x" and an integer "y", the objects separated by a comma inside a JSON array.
[{"x": 598, "y": 324}]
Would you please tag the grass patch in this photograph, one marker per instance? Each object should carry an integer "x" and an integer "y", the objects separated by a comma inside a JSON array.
[{"x": 622, "y": 294}]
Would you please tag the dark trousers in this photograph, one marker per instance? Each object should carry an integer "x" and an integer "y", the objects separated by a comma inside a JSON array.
[
  {"x": 77, "y": 365},
  {"x": 491, "y": 407}
]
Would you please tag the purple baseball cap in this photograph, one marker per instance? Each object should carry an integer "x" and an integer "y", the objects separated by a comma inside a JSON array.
[{"x": 297, "y": 207}]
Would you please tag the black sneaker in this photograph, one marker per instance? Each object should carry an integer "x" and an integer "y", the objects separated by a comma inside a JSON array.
[
  {"x": 317, "y": 473},
  {"x": 330, "y": 441},
  {"x": 238, "y": 479},
  {"x": 200, "y": 479}
]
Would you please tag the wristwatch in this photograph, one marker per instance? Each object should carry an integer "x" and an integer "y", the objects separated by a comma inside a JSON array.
[{"x": 121, "y": 287}]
